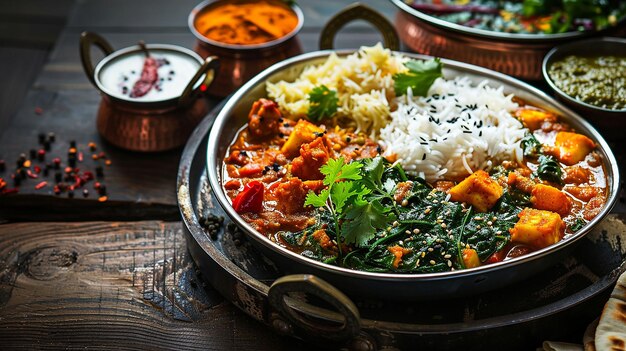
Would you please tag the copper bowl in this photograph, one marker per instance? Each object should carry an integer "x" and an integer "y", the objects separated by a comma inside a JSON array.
[
  {"x": 156, "y": 124},
  {"x": 610, "y": 122},
  {"x": 518, "y": 55},
  {"x": 239, "y": 63}
]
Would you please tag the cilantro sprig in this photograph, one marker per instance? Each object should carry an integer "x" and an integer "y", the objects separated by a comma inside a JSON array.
[
  {"x": 356, "y": 216},
  {"x": 324, "y": 103},
  {"x": 421, "y": 75}
]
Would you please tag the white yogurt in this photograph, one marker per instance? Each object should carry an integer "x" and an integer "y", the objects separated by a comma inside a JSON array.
[{"x": 176, "y": 69}]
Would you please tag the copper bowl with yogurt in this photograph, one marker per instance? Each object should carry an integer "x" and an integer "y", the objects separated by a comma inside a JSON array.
[{"x": 165, "y": 116}]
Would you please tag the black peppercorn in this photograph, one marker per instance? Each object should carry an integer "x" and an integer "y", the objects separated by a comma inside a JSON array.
[
  {"x": 33, "y": 154},
  {"x": 85, "y": 192},
  {"x": 46, "y": 145},
  {"x": 2, "y": 166},
  {"x": 72, "y": 143},
  {"x": 51, "y": 137},
  {"x": 100, "y": 172},
  {"x": 70, "y": 194},
  {"x": 58, "y": 177},
  {"x": 41, "y": 137}
]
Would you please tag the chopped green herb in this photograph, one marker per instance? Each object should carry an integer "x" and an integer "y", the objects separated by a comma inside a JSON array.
[
  {"x": 530, "y": 145},
  {"x": 549, "y": 169},
  {"x": 421, "y": 75},
  {"x": 577, "y": 225},
  {"x": 323, "y": 103}
]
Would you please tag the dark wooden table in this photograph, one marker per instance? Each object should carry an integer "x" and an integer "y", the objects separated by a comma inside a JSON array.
[{"x": 80, "y": 273}]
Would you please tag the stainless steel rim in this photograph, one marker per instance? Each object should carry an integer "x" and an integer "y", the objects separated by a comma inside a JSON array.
[
  {"x": 222, "y": 120},
  {"x": 584, "y": 44}
]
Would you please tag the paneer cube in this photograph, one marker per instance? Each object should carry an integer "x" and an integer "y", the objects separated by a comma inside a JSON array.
[
  {"x": 572, "y": 147},
  {"x": 470, "y": 258},
  {"x": 537, "y": 228},
  {"x": 545, "y": 197},
  {"x": 533, "y": 119},
  {"x": 478, "y": 190},
  {"x": 303, "y": 132}
]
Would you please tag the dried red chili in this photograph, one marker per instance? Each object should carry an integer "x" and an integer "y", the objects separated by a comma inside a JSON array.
[
  {"x": 149, "y": 77},
  {"x": 250, "y": 199}
]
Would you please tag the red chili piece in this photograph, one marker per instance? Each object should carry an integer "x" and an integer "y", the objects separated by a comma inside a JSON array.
[
  {"x": 149, "y": 77},
  {"x": 41, "y": 185},
  {"x": 250, "y": 199}
]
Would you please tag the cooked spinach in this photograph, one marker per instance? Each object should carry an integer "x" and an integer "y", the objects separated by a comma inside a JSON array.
[
  {"x": 429, "y": 230},
  {"x": 549, "y": 169}
]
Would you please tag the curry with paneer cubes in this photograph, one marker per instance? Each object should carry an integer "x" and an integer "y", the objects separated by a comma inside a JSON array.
[{"x": 332, "y": 194}]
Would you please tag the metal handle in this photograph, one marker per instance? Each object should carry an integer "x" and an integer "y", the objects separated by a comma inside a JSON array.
[
  {"x": 345, "y": 327},
  {"x": 87, "y": 39},
  {"x": 208, "y": 69},
  {"x": 358, "y": 11}
]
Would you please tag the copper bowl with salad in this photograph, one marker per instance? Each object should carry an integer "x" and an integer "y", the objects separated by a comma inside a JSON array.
[
  {"x": 511, "y": 37},
  {"x": 397, "y": 175},
  {"x": 590, "y": 76}
]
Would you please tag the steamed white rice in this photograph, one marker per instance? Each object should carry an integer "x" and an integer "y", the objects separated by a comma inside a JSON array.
[{"x": 455, "y": 130}]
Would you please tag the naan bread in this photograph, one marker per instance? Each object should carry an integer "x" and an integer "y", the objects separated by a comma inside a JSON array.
[
  {"x": 589, "y": 338},
  {"x": 611, "y": 331}
]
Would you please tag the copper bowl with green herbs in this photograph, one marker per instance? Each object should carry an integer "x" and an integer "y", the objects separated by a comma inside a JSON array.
[{"x": 590, "y": 76}]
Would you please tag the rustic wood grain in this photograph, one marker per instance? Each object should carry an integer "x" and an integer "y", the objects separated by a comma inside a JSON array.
[{"x": 113, "y": 285}]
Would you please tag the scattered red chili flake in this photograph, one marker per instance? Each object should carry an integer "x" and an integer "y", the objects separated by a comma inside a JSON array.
[
  {"x": 102, "y": 155},
  {"x": 80, "y": 157},
  {"x": 94, "y": 157},
  {"x": 38, "y": 110},
  {"x": 56, "y": 190},
  {"x": 107, "y": 162},
  {"x": 103, "y": 198},
  {"x": 87, "y": 175},
  {"x": 68, "y": 170},
  {"x": 41, "y": 154},
  {"x": 31, "y": 175},
  {"x": 41, "y": 185},
  {"x": 37, "y": 169},
  {"x": 3, "y": 184},
  {"x": 92, "y": 146},
  {"x": 96, "y": 185}
]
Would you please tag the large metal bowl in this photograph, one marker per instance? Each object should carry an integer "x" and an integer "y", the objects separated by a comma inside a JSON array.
[
  {"x": 519, "y": 55},
  {"x": 389, "y": 285}
]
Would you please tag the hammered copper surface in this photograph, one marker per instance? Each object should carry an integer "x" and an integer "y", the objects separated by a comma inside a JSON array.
[
  {"x": 140, "y": 129},
  {"x": 237, "y": 67},
  {"x": 522, "y": 60}
]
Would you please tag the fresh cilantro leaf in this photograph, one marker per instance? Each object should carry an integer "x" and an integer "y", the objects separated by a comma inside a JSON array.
[
  {"x": 331, "y": 170},
  {"x": 323, "y": 103},
  {"x": 317, "y": 200},
  {"x": 351, "y": 171},
  {"x": 363, "y": 220},
  {"x": 421, "y": 75},
  {"x": 341, "y": 193}
]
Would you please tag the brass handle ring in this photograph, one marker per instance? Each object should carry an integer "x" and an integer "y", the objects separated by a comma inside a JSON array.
[
  {"x": 341, "y": 326},
  {"x": 87, "y": 39},
  {"x": 358, "y": 11},
  {"x": 209, "y": 68}
]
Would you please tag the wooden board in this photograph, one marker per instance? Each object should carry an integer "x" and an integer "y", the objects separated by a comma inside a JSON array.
[{"x": 112, "y": 285}]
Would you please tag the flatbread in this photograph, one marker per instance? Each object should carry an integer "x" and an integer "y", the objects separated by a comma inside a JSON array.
[
  {"x": 611, "y": 331},
  {"x": 589, "y": 338}
]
